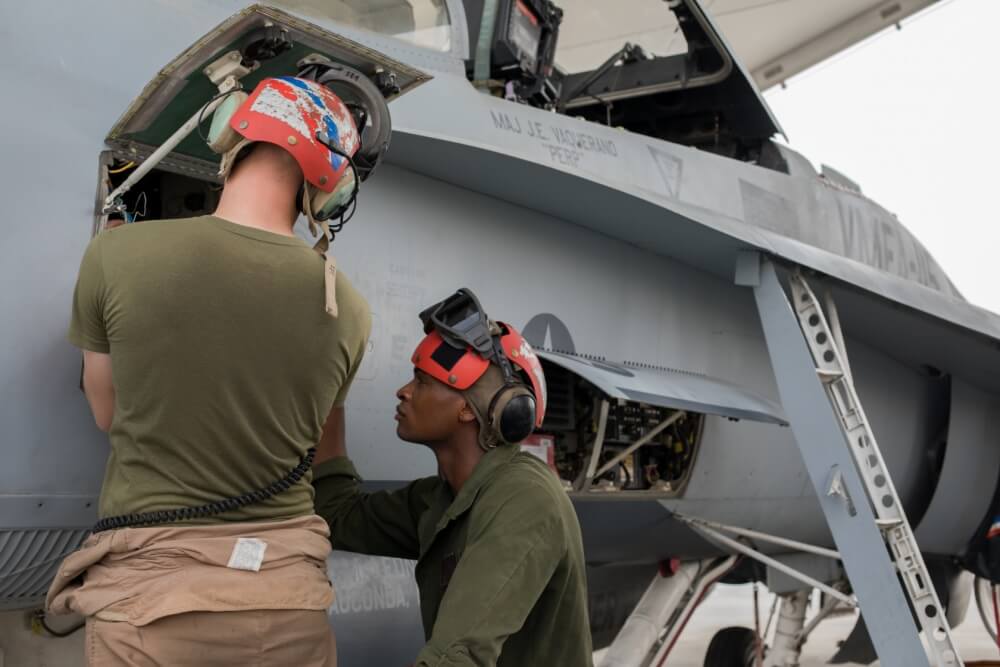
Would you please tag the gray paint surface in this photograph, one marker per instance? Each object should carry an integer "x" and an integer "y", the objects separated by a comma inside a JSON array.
[
  {"x": 373, "y": 594},
  {"x": 971, "y": 463}
]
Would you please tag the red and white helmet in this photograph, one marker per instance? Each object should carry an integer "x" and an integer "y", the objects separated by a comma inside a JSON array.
[{"x": 294, "y": 114}]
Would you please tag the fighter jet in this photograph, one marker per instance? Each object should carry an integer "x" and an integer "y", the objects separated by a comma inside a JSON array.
[{"x": 653, "y": 227}]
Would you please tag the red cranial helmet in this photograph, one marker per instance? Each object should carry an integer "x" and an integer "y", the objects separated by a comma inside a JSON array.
[
  {"x": 460, "y": 345},
  {"x": 304, "y": 118}
]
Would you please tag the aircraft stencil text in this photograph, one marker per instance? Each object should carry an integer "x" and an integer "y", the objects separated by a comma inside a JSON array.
[
  {"x": 364, "y": 584},
  {"x": 564, "y": 146},
  {"x": 883, "y": 243}
]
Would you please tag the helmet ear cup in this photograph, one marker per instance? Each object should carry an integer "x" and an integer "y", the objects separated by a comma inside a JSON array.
[
  {"x": 326, "y": 205},
  {"x": 512, "y": 413},
  {"x": 221, "y": 137}
]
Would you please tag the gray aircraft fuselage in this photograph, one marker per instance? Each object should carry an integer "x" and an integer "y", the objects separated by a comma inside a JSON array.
[{"x": 594, "y": 240}]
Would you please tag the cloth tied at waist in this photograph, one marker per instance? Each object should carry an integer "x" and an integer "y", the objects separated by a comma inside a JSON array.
[{"x": 139, "y": 575}]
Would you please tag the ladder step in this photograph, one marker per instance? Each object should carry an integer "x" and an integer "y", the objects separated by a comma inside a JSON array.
[
  {"x": 888, "y": 524},
  {"x": 827, "y": 376}
]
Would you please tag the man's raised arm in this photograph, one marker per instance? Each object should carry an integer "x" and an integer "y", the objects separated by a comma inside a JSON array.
[{"x": 384, "y": 523}]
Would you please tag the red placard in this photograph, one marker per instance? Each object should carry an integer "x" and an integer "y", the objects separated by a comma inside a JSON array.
[{"x": 543, "y": 447}]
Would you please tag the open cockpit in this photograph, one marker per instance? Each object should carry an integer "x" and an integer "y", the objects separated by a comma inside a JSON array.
[{"x": 659, "y": 69}]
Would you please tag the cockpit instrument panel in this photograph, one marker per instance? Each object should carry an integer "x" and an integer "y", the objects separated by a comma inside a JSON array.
[{"x": 521, "y": 53}]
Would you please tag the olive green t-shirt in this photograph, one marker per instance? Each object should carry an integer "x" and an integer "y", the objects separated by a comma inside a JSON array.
[{"x": 224, "y": 360}]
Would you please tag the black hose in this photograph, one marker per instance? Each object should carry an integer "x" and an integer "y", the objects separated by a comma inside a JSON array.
[
  {"x": 201, "y": 114},
  {"x": 40, "y": 617}
]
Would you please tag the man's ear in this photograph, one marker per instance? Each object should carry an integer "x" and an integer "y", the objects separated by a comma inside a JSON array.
[{"x": 466, "y": 415}]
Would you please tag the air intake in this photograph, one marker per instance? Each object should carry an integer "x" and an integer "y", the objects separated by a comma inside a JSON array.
[
  {"x": 559, "y": 411},
  {"x": 29, "y": 560}
]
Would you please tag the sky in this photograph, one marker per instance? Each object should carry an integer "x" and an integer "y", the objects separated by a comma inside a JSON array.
[{"x": 913, "y": 117}]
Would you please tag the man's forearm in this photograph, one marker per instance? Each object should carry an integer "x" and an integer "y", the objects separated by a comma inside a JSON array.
[
  {"x": 333, "y": 441},
  {"x": 99, "y": 388},
  {"x": 382, "y": 523}
]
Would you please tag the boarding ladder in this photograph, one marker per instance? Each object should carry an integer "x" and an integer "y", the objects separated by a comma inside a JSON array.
[{"x": 829, "y": 355}]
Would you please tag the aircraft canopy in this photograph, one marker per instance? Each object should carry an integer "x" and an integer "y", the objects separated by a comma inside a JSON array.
[{"x": 774, "y": 39}]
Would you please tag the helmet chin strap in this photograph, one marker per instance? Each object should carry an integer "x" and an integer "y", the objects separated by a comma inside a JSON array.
[
  {"x": 489, "y": 432},
  {"x": 322, "y": 246},
  {"x": 479, "y": 397},
  {"x": 488, "y": 437}
]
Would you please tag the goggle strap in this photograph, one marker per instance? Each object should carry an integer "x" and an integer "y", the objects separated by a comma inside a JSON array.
[
  {"x": 330, "y": 280},
  {"x": 322, "y": 246},
  {"x": 500, "y": 357}
]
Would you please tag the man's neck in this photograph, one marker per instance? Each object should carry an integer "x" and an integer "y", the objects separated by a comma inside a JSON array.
[
  {"x": 456, "y": 461},
  {"x": 270, "y": 211}
]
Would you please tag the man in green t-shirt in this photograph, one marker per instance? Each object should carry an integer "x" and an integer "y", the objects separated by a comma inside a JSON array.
[
  {"x": 215, "y": 350},
  {"x": 499, "y": 554}
]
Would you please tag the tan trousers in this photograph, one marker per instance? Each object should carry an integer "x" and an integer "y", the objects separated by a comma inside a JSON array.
[{"x": 266, "y": 638}]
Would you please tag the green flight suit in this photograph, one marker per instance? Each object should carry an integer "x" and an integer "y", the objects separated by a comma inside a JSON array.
[{"x": 500, "y": 566}]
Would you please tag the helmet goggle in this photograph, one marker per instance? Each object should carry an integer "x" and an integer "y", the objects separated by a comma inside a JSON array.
[{"x": 461, "y": 322}]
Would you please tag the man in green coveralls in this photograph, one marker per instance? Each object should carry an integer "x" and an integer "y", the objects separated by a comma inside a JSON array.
[{"x": 500, "y": 559}]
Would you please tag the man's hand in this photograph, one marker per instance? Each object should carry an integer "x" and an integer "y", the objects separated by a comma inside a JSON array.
[
  {"x": 98, "y": 387},
  {"x": 332, "y": 443}
]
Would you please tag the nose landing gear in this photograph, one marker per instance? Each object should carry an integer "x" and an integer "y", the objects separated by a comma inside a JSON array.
[{"x": 732, "y": 647}]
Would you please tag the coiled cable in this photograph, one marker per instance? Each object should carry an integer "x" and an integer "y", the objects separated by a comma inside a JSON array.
[{"x": 212, "y": 508}]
